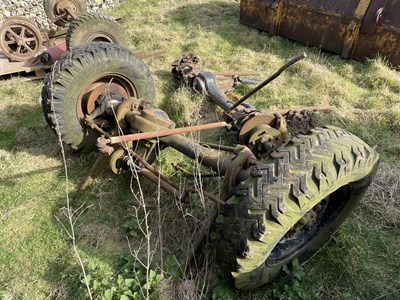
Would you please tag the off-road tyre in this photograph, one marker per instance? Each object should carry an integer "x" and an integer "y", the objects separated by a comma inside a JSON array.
[
  {"x": 93, "y": 27},
  {"x": 329, "y": 169},
  {"x": 50, "y": 10},
  {"x": 77, "y": 69}
]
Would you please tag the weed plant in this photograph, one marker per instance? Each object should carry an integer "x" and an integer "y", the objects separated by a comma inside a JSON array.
[{"x": 128, "y": 258}]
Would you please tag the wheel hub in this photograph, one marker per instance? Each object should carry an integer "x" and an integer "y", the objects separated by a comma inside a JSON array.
[
  {"x": 66, "y": 10},
  {"x": 20, "y": 39},
  {"x": 110, "y": 89},
  {"x": 92, "y": 94}
]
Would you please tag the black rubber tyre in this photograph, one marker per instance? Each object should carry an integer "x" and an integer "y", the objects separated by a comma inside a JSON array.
[
  {"x": 92, "y": 27},
  {"x": 50, "y": 7},
  {"x": 320, "y": 177},
  {"x": 93, "y": 64}
]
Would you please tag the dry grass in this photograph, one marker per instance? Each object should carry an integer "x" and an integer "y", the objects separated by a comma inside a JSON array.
[
  {"x": 383, "y": 198},
  {"x": 36, "y": 261}
]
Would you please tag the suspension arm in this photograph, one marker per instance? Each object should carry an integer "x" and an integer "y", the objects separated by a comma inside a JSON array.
[
  {"x": 164, "y": 132},
  {"x": 204, "y": 155}
]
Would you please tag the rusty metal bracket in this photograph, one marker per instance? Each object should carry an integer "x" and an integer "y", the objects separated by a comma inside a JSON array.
[
  {"x": 372, "y": 16},
  {"x": 97, "y": 168},
  {"x": 238, "y": 170},
  {"x": 186, "y": 69}
]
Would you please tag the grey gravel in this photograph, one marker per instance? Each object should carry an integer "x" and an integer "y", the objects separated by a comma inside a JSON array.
[{"x": 33, "y": 9}]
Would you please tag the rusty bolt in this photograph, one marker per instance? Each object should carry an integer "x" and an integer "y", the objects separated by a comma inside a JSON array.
[{"x": 104, "y": 148}]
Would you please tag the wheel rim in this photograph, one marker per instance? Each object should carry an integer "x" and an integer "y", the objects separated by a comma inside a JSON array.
[
  {"x": 20, "y": 39},
  {"x": 101, "y": 37},
  {"x": 114, "y": 85},
  {"x": 62, "y": 8},
  {"x": 309, "y": 227}
]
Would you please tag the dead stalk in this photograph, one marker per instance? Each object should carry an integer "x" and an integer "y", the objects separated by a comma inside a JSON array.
[
  {"x": 68, "y": 210},
  {"x": 145, "y": 229}
]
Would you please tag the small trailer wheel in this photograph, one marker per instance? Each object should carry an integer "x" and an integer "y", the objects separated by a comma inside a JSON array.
[
  {"x": 59, "y": 11},
  {"x": 292, "y": 204},
  {"x": 74, "y": 87}
]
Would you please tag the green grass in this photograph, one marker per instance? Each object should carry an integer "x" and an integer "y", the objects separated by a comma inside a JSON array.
[{"x": 36, "y": 257}]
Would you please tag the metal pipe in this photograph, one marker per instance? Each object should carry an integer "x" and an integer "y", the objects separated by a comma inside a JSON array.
[
  {"x": 235, "y": 73},
  {"x": 179, "y": 168},
  {"x": 213, "y": 92},
  {"x": 203, "y": 155},
  {"x": 164, "y": 132},
  {"x": 184, "y": 145},
  {"x": 268, "y": 80},
  {"x": 157, "y": 180},
  {"x": 154, "y": 171},
  {"x": 312, "y": 108},
  {"x": 219, "y": 147},
  {"x": 169, "y": 185},
  {"x": 249, "y": 80},
  {"x": 207, "y": 195}
]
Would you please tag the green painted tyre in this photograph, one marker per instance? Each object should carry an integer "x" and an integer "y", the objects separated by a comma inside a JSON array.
[
  {"x": 77, "y": 81},
  {"x": 93, "y": 27},
  {"x": 292, "y": 204}
]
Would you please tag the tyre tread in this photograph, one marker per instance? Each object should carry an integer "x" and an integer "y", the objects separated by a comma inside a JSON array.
[
  {"x": 62, "y": 77},
  {"x": 86, "y": 20},
  {"x": 282, "y": 188}
]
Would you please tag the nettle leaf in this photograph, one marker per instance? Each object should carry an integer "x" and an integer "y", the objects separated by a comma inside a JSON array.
[
  {"x": 159, "y": 277},
  {"x": 286, "y": 269},
  {"x": 108, "y": 294},
  {"x": 104, "y": 281},
  {"x": 120, "y": 280},
  {"x": 96, "y": 284},
  {"x": 128, "y": 292},
  {"x": 129, "y": 282},
  {"x": 296, "y": 263},
  {"x": 152, "y": 275}
]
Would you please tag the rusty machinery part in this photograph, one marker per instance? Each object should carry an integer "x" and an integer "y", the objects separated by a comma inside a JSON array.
[
  {"x": 240, "y": 167},
  {"x": 20, "y": 38},
  {"x": 185, "y": 68},
  {"x": 209, "y": 84},
  {"x": 354, "y": 29},
  {"x": 118, "y": 161},
  {"x": 262, "y": 132},
  {"x": 105, "y": 76},
  {"x": 163, "y": 132},
  {"x": 52, "y": 54},
  {"x": 292, "y": 204},
  {"x": 62, "y": 12},
  {"x": 275, "y": 211},
  {"x": 94, "y": 27}
]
